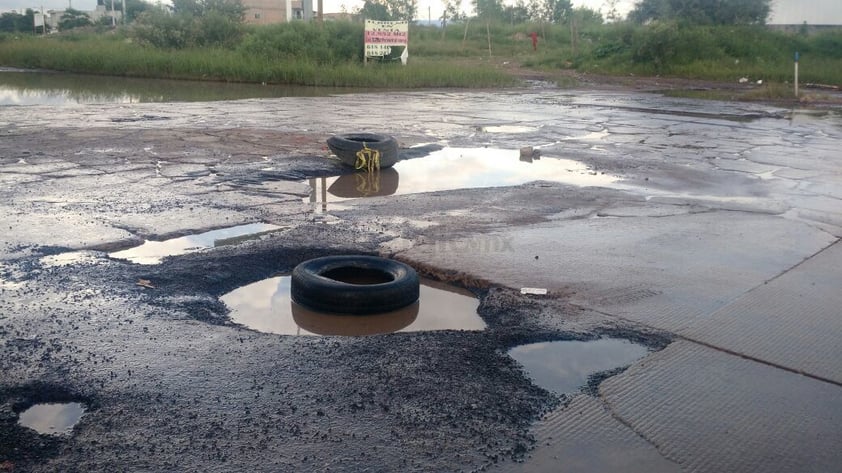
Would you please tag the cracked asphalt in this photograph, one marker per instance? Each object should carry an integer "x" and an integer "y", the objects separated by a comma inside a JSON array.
[{"x": 715, "y": 243}]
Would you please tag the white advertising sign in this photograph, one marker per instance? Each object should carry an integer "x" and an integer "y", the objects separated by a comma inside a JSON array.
[{"x": 380, "y": 36}]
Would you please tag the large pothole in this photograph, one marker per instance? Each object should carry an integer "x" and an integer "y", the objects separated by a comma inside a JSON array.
[
  {"x": 456, "y": 168},
  {"x": 266, "y": 306}
]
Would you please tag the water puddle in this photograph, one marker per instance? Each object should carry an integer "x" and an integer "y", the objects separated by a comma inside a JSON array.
[
  {"x": 52, "y": 418},
  {"x": 564, "y": 366},
  {"x": 266, "y": 306},
  {"x": 152, "y": 252},
  {"x": 509, "y": 129},
  {"x": 69, "y": 258},
  {"x": 595, "y": 135},
  {"x": 456, "y": 168}
]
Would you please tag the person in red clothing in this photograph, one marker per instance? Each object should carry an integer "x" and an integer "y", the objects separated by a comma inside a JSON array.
[{"x": 534, "y": 37}]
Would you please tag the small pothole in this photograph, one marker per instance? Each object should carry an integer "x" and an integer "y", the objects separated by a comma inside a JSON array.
[
  {"x": 266, "y": 306},
  {"x": 52, "y": 418},
  {"x": 565, "y": 366},
  {"x": 152, "y": 252}
]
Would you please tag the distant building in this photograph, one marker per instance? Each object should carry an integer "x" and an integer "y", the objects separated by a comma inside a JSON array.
[
  {"x": 103, "y": 10},
  {"x": 267, "y": 12}
]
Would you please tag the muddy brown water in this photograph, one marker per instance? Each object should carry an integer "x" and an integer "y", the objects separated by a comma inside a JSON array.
[{"x": 266, "y": 306}]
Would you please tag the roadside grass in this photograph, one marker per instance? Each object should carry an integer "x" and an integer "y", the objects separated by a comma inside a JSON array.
[
  {"x": 121, "y": 57},
  {"x": 468, "y": 54}
]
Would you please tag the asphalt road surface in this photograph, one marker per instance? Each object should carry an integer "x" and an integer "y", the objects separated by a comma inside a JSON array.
[{"x": 707, "y": 232}]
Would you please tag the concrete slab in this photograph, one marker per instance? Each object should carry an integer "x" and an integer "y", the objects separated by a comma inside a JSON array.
[
  {"x": 793, "y": 321},
  {"x": 583, "y": 437},
  {"x": 710, "y": 411},
  {"x": 665, "y": 272}
]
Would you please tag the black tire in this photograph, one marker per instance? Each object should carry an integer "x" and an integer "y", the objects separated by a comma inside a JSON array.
[
  {"x": 354, "y": 284},
  {"x": 346, "y": 146}
]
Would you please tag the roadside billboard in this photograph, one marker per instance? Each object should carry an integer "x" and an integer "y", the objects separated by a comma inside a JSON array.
[{"x": 380, "y": 36}]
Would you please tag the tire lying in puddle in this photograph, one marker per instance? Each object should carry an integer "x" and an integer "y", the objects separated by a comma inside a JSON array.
[
  {"x": 358, "y": 285},
  {"x": 346, "y": 147}
]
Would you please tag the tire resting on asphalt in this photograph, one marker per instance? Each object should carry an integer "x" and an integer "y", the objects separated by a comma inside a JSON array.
[
  {"x": 346, "y": 146},
  {"x": 311, "y": 289}
]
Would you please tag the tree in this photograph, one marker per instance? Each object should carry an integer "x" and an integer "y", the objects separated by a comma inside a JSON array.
[
  {"x": 488, "y": 9},
  {"x": 587, "y": 16},
  {"x": 718, "y": 12},
  {"x": 389, "y": 10},
  {"x": 373, "y": 10},
  {"x": 13, "y": 22},
  {"x": 612, "y": 14},
  {"x": 556, "y": 11},
  {"x": 453, "y": 10},
  {"x": 231, "y": 9},
  {"x": 517, "y": 13},
  {"x": 192, "y": 23},
  {"x": 403, "y": 9},
  {"x": 133, "y": 8},
  {"x": 72, "y": 18}
]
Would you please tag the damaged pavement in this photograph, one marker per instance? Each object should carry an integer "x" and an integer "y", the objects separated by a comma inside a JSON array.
[{"x": 707, "y": 232}]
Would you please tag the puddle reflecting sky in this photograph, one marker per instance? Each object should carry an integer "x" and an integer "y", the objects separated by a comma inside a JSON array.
[
  {"x": 152, "y": 252},
  {"x": 564, "y": 366},
  {"x": 52, "y": 418},
  {"x": 457, "y": 168},
  {"x": 266, "y": 306}
]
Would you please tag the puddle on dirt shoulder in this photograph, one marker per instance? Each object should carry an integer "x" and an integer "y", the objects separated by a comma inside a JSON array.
[
  {"x": 52, "y": 418},
  {"x": 152, "y": 252},
  {"x": 456, "y": 168},
  {"x": 565, "y": 366},
  {"x": 266, "y": 306}
]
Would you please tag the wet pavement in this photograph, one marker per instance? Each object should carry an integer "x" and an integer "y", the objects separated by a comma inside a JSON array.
[{"x": 703, "y": 234}]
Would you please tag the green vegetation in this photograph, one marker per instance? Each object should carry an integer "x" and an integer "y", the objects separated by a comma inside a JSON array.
[
  {"x": 714, "y": 52},
  {"x": 206, "y": 39},
  {"x": 733, "y": 12},
  {"x": 97, "y": 54}
]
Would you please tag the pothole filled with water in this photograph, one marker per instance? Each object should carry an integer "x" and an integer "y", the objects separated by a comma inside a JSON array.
[
  {"x": 456, "y": 168},
  {"x": 266, "y": 306},
  {"x": 565, "y": 366},
  {"x": 52, "y": 418},
  {"x": 152, "y": 252}
]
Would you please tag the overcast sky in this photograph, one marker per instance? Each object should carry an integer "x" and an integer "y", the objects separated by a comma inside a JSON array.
[{"x": 815, "y": 12}]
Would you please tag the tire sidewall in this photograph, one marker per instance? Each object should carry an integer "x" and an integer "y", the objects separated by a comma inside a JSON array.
[{"x": 313, "y": 290}]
